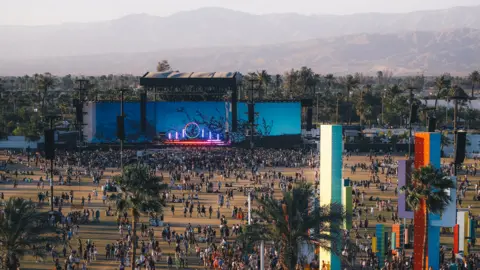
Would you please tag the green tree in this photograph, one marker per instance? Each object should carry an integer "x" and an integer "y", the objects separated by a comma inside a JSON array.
[
  {"x": 475, "y": 79},
  {"x": 428, "y": 192},
  {"x": 23, "y": 231},
  {"x": 443, "y": 84},
  {"x": 163, "y": 66},
  {"x": 44, "y": 83},
  {"x": 362, "y": 106},
  {"x": 350, "y": 83},
  {"x": 291, "y": 223},
  {"x": 265, "y": 79},
  {"x": 140, "y": 194}
]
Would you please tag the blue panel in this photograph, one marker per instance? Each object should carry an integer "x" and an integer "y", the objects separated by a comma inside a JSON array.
[
  {"x": 337, "y": 148},
  {"x": 379, "y": 233},
  {"x": 434, "y": 247},
  {"x": 337, "y": 184},
  {"x": 435, "y": 149}
]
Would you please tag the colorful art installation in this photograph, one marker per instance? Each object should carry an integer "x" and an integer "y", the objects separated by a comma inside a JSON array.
[
  {"x": 380, "y": 234},
  {"x": 394, "y": 241},
  {"x": 347, "y": 204},
  {"x": 398, "y": 230},
  {"x": 404, "y": 176},
  {"x": 427, "y": 152},
  {"x": 462, "y": 222},
  {"x": 331, "y": 184},
  {"x": 456, "y": 232}
]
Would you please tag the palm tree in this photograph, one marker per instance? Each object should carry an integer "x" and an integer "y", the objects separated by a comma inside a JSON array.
[
  {"x": 475, "y": 78},
  {"x": 163, "y": 66},
  {"x": 140, "y": 194},
  {"x": 291, "y": 223},
  {"x": 265, "y": 79},
  {"x": 428, "y": 192},
  {"x": 350, "y": 82},
  {"x": 44, "y": 83},
  {"x": 23, "y": 231},
  {"x": 278, "y": 83},
  {"x": 330, "y": 79},
  {"x": 363, "y": 108},
  {"x": 442, "y": 84}
]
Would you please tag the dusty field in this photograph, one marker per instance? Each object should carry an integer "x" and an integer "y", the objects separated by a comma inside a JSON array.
[{"x": 107, "y": 232}]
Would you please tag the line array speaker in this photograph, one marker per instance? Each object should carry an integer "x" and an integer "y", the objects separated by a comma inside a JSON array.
[
  {"x": 120, "y": 128},
  {"x": 79, "y": 113},
  {"x": 143, "y": 112},
  {"x": 251, "y": 113},
  {"x": 50, "y": 144},
  {"x": 461, "y": 139},
  {"x": 309, "y": 118},
  {"x": 432, "y": 124}
]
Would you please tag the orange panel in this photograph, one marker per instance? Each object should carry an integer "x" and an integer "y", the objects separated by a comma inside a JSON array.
[
  {"x": 396, "y": 230},
  {"x": 419, "y": 236},
  {"x": 422, "y": 149}
]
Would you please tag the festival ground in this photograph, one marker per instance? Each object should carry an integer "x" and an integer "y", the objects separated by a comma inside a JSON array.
[{"x": 106, "y": 231}]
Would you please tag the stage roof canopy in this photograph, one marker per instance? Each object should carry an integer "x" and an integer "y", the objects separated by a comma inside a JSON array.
[{"x": 173, "y": 78}]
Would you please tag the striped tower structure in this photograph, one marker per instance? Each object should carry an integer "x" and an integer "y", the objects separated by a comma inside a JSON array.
[
  {"x": 462, "y": 221},
  {"x": 347, "y": 204},
  {"x": 427, "y": 152},
  {"x": 380, "y": 234},
  {"x": 331, "y": 184}
]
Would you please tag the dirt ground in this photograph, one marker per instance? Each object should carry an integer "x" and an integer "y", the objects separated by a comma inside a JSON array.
[{"x": 107, "y": 232}]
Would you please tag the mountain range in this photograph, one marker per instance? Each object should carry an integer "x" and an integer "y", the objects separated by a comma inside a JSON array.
[{"x": 217, "y": 39}]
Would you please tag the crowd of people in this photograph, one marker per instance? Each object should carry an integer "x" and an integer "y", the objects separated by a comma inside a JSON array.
[{"x": 191, "y": 173}]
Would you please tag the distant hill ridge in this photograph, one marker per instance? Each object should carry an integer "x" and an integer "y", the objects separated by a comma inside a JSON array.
[{"x": 222, "y": 39}]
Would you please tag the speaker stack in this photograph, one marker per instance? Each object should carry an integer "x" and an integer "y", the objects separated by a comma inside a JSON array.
[
  {"x": 143, "y": 112},
  {"x": 432, "y": 124},
  {"x": 50, "y": 144},
  {"x": 460, "y": 139},
  {"x": 309, "y": 118},
  {"x": 120, "y": 128},
  {"x": 251, "y": 113}
]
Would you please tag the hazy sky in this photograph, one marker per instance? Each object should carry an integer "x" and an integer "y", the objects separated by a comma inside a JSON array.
[{"x": 40, "y": 12}]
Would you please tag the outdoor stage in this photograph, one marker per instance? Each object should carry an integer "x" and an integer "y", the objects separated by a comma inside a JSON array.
[{"x": 193, "y": 109}]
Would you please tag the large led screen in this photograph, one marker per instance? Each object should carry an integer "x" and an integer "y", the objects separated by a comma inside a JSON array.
[
  {"x": 106, "y": 113},
  {"x": 192, "y": 120},
  {"x": 200, "y": 120}
]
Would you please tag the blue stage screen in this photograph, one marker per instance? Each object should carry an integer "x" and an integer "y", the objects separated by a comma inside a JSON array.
[
  {"x": 106, "y": 125},
  {"x": 272, "y": 119}
]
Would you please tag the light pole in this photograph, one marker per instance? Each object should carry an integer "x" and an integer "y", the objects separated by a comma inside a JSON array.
[
  {"x": 122, "y": 135},
  {"x": 383, "y": 105},
  {"x": 51, "y": 119}
]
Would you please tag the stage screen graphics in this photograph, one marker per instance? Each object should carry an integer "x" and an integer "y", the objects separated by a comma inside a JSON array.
[
  {"x": 194, "y": 120},
  {"x": 105, "y": 130},
  {"x": 272, "y": 118}
]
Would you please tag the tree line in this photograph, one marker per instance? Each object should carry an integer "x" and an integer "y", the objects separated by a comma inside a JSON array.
[{"x": 380, "y": 100}]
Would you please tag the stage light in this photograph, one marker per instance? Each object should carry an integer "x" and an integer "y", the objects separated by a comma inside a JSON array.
[
  {"x": 203, "y": 133},
  {"x": 169, "y": 136},
  {"x": 176, "y": 135},
  {"x": 183, "y": 133},
  {"x": 218, "y": 137},
  {"x": 209, "y": 135},
  {"x": 204, "y": 143}
]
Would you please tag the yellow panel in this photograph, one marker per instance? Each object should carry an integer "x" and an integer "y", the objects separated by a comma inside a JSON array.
[{"x": 325, "y": 177}]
